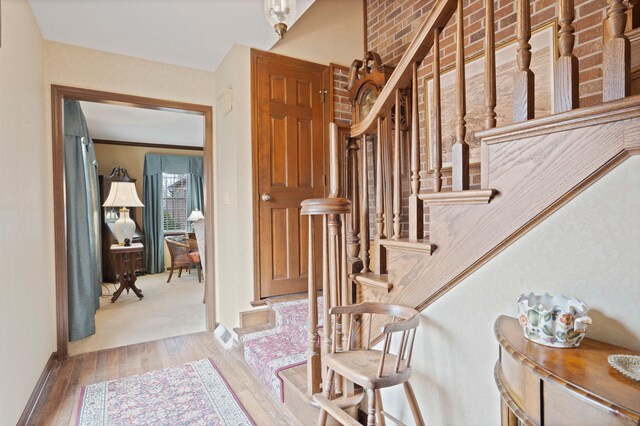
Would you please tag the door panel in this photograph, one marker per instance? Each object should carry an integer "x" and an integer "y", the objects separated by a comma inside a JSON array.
[{"x": 289, "y": 133}]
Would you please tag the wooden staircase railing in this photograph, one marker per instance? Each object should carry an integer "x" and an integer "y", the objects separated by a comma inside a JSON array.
[{"x": 394, "y": 118}]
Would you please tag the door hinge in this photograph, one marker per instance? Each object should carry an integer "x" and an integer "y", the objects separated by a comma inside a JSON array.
[{"x": 322, "y": 94}]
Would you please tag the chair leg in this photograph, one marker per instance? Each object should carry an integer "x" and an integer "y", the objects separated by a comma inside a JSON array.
[
  {"x": 180, "y": 272},
  {"x": 413, "y": 404},
  {"x": 328, "y": 384},
  {"x": 170, "y": 274},
  {"x": 199, "y": 268},
  {"x": 379, "y": 409},
  {"x": 371, "y": 409}
]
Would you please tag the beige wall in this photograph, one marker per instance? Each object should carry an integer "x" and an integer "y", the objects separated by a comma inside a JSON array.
[
  {"x": 329, "y": 31},
  {"x": 26, "y": 308},
  {"x": 587, "y": 249},
  {"x": 234, "y": 210},
  {"x": 132, "y": 159}
]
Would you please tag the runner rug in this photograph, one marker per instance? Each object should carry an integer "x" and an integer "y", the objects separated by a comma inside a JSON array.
[
  {"x": 195, "y": 393},
  {"x": 269, "y": 352}
]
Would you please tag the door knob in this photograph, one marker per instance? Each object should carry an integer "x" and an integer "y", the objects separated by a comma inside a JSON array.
[{"x": 266, "y": 197}]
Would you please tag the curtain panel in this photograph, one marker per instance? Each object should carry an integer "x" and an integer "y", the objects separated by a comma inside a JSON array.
[
  {"x": 82, "y": 209},
  {"x": 154, "y": 166}
]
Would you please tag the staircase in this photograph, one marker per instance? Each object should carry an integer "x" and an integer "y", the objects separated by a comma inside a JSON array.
[{"x": 528, "y": 169}]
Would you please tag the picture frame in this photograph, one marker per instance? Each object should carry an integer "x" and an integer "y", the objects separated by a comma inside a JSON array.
[{"x": 544, "y": 54}]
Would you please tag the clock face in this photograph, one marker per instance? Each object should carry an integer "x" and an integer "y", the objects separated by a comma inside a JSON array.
[{"x": 367, "y": 100}]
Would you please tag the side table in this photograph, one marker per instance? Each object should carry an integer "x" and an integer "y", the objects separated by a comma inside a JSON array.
[{"x": 126, "y": 268}]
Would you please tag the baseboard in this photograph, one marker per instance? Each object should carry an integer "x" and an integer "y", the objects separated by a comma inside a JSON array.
[{"x": 37, "y": 393}]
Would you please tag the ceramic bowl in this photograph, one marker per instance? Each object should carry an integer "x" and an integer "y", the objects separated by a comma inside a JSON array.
[{"x": 558, "y": 321}]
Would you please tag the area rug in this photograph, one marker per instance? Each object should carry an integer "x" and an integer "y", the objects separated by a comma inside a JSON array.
[
  {"x": 269, "y": 352},
  {"x": 195, "y": 393}
]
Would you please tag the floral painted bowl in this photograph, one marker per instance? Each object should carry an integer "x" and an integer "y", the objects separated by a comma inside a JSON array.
[{"x": 557, "y": 321}]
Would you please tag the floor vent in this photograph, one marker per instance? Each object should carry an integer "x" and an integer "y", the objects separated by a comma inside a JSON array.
[{"x": 224, "y": 336}]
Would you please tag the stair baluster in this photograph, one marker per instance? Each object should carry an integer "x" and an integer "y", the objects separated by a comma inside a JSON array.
[
  {"x": 616, "y": 54},
  {"x": 523, "y": 87},
  {"x": 490, "y": 68},
  {"x": 364, "y": 206},
  {"x": 416, "y": 216},
  {"x": 352, "y": 188},
  {"x": 436, "y": 129},
  {"x": 460, "y": 149},
  {"x": 397, "y": 179},
  {"x": 566, "y": 96},
  {"x": 380, "y": 253},
  {"x": 313, "y": 359}
]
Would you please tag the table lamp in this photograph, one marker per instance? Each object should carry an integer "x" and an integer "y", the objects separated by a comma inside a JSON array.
[
  {"x": 123, "y": 195},
  {"x": 195, "y": 216}
]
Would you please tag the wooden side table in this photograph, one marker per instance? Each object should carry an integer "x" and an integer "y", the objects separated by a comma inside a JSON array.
[
  {"x": 123, "y": 257},
  {"x": 542, "y": 386}
]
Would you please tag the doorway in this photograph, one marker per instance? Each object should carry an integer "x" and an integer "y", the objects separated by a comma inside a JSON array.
[
  {"x": 289, "y": 122},
  {"x": 58, "y": 95}
]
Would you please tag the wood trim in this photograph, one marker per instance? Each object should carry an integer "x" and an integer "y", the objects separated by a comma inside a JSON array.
[
  {"x": 479, "y": 196},
  {"x": 147, "y": 145},
  {"x": 365, "y": 26},
  {"x": 408, "y": 245},
  {"x": 40, "y": 391},
  {"x": 622, "y": 109},
  {"x": 255, "y": 56},
  {"x": 60, "y": 93}
]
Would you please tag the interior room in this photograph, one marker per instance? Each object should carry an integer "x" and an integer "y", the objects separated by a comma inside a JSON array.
[
  {"x": 123, "y": 138},
  {"x": 320, "y": 212}
]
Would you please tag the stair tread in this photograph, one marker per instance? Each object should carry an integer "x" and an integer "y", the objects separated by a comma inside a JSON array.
[
  {"x": 373, "y": 280},
  {"x": 240, "y": 331},
  {"x": 420, "y": 246}
]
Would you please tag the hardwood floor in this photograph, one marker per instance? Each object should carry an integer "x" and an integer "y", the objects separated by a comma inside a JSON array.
[{"x": 63, "y": 389}]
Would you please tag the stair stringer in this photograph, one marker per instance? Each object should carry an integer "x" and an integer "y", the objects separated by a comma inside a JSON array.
[{"x": 536, "y": 167}]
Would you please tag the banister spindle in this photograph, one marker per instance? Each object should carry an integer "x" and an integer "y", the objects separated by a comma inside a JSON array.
[
  {"x": 416, "y": 219},
  {"x": 364, "y": 206},
  {"x": 616, "y": 54},
  {"x": 353, "y": 230},
  {"x": 435, "y": 154},
  {"x": 397, "y": 189},
  {"x": 523, "y": 86},
  {"x": 566, "y": 96},
  {"x": 380, "y": 181},
  {"x": 490, "y": 68},
  {"x": 460, "y": 149},
  {"x": 313, "y": 359}
]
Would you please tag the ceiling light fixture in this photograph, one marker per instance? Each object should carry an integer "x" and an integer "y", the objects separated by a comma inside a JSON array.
[{"x": 280, "y": 14}]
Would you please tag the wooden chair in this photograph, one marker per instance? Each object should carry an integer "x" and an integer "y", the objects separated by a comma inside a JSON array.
[
  {"x": 181, "y": 256},
  {"x": 371, "y": 368}
]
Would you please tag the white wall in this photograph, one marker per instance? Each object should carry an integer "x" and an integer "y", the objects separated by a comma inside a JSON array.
[
  {"x": 329, "y": 31},
  {"x": 234, "y": 217},
  {"x": 26, "y": 225},
  {"x": 588, "y": 249}
]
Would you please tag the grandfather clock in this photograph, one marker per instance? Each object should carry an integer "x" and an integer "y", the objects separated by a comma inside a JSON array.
[{"x": 367, "y": 77}]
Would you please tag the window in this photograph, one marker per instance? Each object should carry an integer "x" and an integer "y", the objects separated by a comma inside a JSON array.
[{"x": 174, "y": 202}]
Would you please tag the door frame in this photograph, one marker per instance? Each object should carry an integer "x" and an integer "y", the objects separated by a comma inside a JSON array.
[
  {"x": 326, "y": 78},
  {"x": 58, "y": 95}
]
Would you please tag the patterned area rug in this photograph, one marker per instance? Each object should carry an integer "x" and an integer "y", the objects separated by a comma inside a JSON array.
[
  {"x": 190, "y": 394},
  {"x": 285, "y": 346}
]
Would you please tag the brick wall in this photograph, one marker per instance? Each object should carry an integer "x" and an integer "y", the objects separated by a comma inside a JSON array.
[{"x": 392, "y": 25}]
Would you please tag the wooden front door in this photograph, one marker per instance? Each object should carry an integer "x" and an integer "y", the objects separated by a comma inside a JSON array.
[{"x": 289, "y": 149}]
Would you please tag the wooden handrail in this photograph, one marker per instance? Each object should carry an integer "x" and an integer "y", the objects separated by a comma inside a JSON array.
[{"x": 401, "y": 77}]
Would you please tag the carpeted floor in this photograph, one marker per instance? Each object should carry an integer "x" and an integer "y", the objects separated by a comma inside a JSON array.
[{"x": 166, "y": 310}]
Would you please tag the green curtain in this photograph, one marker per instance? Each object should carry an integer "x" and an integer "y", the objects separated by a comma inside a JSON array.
[
  {"x": 82, "y": 209},
  {"x": 154, "y": 166}
]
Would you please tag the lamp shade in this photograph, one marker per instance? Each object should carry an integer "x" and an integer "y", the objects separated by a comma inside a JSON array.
[
  {"x": 280, "y": 14},
  {"x": 195, "y": 216},
  {"x": 123, "y": 194}
]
